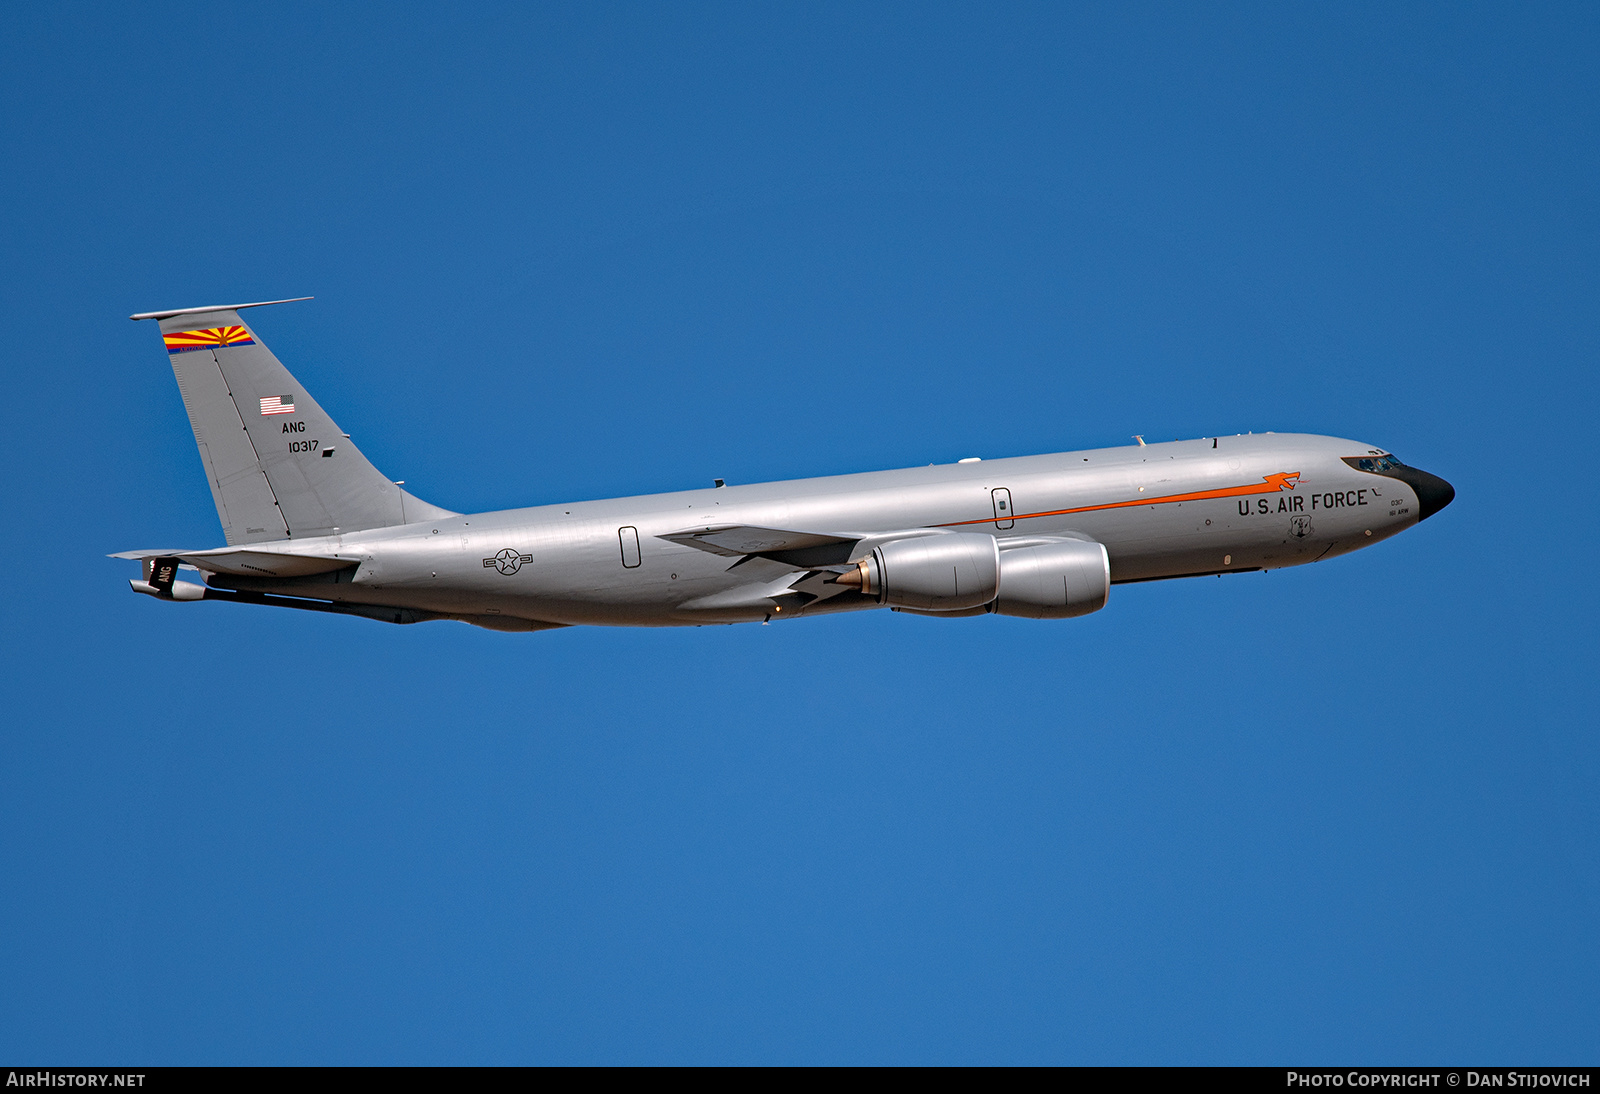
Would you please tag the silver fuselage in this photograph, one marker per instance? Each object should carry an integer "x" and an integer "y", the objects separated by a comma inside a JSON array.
[{"x": 1185, "y": 508}]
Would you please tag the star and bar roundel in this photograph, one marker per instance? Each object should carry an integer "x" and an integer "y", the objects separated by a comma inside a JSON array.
[
  {"x": 508, "y": 561},
  {"x": 211, "y": 338}
]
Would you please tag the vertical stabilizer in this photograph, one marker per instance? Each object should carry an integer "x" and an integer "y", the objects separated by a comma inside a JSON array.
[{"x": 278, "y": 466}]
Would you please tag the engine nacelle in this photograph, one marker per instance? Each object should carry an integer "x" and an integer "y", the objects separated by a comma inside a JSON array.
[
  {"x": 931, "y": 573},
  {"x": 1054, "y": 581}
]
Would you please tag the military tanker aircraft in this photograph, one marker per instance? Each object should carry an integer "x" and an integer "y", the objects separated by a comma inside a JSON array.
[{"x": 311, "y": 524}]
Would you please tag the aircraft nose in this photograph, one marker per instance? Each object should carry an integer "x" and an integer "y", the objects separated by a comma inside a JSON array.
[{"x": 1433, "y": 493}]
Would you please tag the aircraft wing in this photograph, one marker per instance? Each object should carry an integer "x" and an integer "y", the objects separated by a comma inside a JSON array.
[
  {"x": 802, "y": 550},
  {"x": 249, "y": 562},
  {"x": 734, "y": 540}
]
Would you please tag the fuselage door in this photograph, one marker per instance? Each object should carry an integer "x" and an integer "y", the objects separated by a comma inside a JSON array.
[
  {"x": 628, "y": 537},
  {"x": 1003, "y": 516}
]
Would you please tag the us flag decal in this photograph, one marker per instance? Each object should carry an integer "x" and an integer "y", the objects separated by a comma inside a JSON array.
[{"x": 277, "y": 404}]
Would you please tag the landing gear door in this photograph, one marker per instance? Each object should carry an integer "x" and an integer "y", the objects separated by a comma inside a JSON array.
[{"x": 1003, "y": 517}]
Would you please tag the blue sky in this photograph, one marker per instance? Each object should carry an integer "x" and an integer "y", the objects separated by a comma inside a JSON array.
[{"x": 1339, "y": 813}]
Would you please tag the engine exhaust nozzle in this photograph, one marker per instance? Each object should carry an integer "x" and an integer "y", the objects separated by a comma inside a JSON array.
[{"x": 858, "y": 577}]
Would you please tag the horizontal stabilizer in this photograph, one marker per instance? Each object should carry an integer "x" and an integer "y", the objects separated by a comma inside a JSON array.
[
  {"x": 250, "y": 562},
  {"x": 183, "y": 590}
]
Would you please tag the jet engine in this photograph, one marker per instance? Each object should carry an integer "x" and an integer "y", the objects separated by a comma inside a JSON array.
[
  {"x": 1054, "y": 581},
  {"x": 930, "y": 573}
]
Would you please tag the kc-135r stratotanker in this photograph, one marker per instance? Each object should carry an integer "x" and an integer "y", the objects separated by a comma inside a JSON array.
[{"x": 311, "y": 524}]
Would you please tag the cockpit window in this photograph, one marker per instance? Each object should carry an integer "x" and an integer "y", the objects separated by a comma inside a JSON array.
[{"x": 1378, "y": 465}]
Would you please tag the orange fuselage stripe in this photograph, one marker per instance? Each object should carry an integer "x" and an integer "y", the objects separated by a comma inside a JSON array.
[{"x": 1270, "y": 484}]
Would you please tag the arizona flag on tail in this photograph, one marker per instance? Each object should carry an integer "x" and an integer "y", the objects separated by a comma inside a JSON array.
[{"x": 181, "y": 341}]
